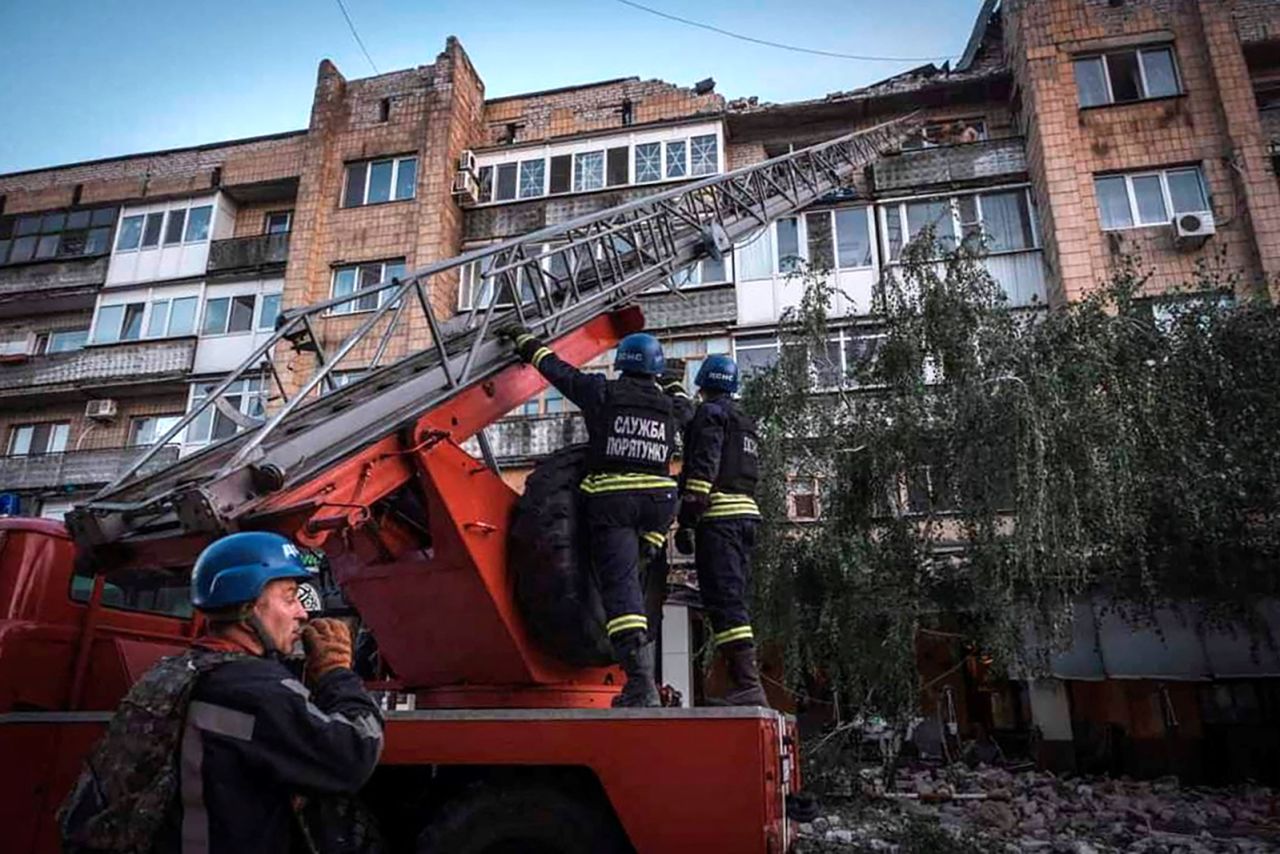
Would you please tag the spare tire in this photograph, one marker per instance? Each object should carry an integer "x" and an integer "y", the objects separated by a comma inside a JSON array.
[{"x": 556, "y": 591}]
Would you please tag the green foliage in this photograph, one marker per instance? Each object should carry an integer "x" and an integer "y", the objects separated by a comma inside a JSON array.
[{"x": 990, "y": 465}]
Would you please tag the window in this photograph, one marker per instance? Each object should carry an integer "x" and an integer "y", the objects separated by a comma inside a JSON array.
[
  {"x": 588, "y": 171},
  {"x": 58, "y": 234},
  {"x": 371, "y": 182},
  {"x": 998, "y": 221},
  {"x": 268, "y": 313},
  {"x": 228, "y": 315},
  {"x": 532, "y": 177},
  {"x": 47, "y": 438},
  {"x": 618, "y": 169},
  {"x": 755, "y": 353},
  {"x": 788, "y": 244},
  {"x": 561, "y": 171},
  {"x": 144, "y": 231},
  {"x": 853, "y": 237},
  {"x": 121, "y": 322},
  {"x": 130, "y": 233},
  {"x": 247, "y": 397},
  {"x": 1124, "y": 76},
  {"x": 149, "y": 429},
  {"x": 648, "y": 162},
  {"x": 676, "y": 167},
  {"x": 163, "y": 318},
  {"x": 1153, "y": 198},
  {"x": 704, "y": 156},
  {"x": 279, "y": 222},
  {"x": 167, "y": 593},
  {"x": 151, "y": 230},
  {"x": 820, "y": 240},
  {"x": 505, "y": 188},
  {"x": 359, "y": 277},
  {"x": 67, "y": 340},
  {"x": 198, "y": 224},
  {"x": 173, "y": 230},
  {"x": 708, "y": 271}
]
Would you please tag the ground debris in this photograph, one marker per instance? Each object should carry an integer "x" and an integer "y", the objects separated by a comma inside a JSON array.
[{"x": 958, "y": 810}]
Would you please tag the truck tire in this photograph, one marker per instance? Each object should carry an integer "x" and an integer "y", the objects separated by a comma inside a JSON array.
[
  {"x": 526, "y": 819},
  {"x": 556, "y": 591}
]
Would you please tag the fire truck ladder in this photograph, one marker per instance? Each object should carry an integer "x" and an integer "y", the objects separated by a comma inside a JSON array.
[{"x": 552, "y": 280}]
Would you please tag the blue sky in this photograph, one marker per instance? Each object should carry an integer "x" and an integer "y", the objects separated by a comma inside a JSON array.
[{"x": 82, "y": 79}]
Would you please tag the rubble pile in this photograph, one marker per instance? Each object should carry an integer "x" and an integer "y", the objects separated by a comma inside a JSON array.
[{"x": 992, "y": 809}]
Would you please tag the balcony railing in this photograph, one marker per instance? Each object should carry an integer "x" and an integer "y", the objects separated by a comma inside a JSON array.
[
  {"x": 115, "y": 365},
  {"x": 951, "y": 165},
  {"x": 240, "y": 253},
  {"x": 36, "y": 279},
  {"x": 75, "y": 468}
]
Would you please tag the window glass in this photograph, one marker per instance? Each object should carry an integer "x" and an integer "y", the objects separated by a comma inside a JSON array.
[
  {"x": 66, "y": 340},
  {"x": 278, "y": 223},
  {"x": 369, "y": 276},
  {"x": 406, "y": 177},
  {"x": 755, "y": 258},
  {"x": 27, "y": 225},
  {"x": 173, "y": 230},
  {"x": 1091, "y": 82},
  {"x": 151, "y": 230},
  {"x": 713, "y": 271},
  {"x": 1162, "y": 78},
  {"x": 108, "y": 326},
  {"x": 648, "y": 162},
  {"x": 130, "y": 233},
  {"x": 198, "y": 223},
  {"x": 788, "y": 244},
  {"x": 1006, "y": 221},
  {"x": 1113, "y": 202},
  {"x": 103, "y": 216},
  {"x": 215, "y": 316},
  {"x": 561, "y": 173},
  {"x": 1126, "y": 80},
  {"x": 676, "y": 165},
  {"x": 24, "y": 249},
  {"x": 935, "y": 213},
  {"x": 554, "y": 401},
  {"x": 379, "y": 181},
  {"x": 5, "y": 243},
  {"x": 78, "y": 219},
  {"x": 893, "y": 231},
  {"x": 1149, "y": 195},
  {"x": 131, "y": 328},
  {"x": 344, "y": 283},
  {"x": 820, "y": 240},
  {"x": 182, "y": 316},
  {"x": 532, "y": 176},
  {"x": 853, "y": 238},
  {"x": 506, "y": 186},
  {"x": 167, "y": 593},
  {"x": 703, "y": 156},
  {"x": 970, "y": 221},
  {"x": 150, "y": 429},
  {"x": 356, "y": 175},
  {"x": 98, "y": 241},
  {"x": 755, "y": 353},
  {"x": 53, "y": 222},
  {"x": 588, "y": 171},
  {"x": 617, "y": 166},
  {"x": 241, "y": 319},
  {"x": 158, "y": 323},
  {"x": 48, "y": 246},
  {"x": 484, "y": 180},
  {"x": 1186, "y": 191},
  {"x": 269, "y": 312}
]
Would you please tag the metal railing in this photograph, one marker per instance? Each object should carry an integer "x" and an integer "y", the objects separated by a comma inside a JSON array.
[
  {"x": 560, "y": 276},
  {"x": 238, "y": 253}
]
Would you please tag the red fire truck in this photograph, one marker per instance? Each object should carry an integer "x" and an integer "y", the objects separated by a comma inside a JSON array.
[{"x": 511, "y": 743}]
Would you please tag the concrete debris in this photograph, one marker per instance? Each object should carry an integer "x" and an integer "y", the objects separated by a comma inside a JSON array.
[{"x": 993, "y": 810}]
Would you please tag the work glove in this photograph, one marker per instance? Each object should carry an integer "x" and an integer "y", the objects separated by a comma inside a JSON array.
[
  {"x": 684, "y": 541},
  {"x": 525, "y": 342},
  {"x": 692, "y": 506},
  {"x": 328, "y": 645}
]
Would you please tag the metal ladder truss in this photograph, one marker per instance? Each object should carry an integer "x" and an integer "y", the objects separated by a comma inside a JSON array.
[{"x": 551, "y": 280}]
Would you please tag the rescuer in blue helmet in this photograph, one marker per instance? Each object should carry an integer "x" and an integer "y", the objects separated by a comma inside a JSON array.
[
  {"x": 718, "y": 519},
  {"x": 630, "y": 494},
  {"x": 234, "y": 723}
]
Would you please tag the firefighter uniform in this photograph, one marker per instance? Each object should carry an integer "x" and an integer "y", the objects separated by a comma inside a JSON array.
[{"x": 630, "y": 494}]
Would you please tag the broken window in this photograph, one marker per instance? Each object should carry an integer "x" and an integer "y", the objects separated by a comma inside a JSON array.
[
  {"x": 561, "y": 173},
  {"x": 62, "y": 234},
  {"x": 532, "y": 177},
  {"x": 677, "y": 167},
  {"x": 618, "y": 167},
  {"x": 1125, "y": 76}
]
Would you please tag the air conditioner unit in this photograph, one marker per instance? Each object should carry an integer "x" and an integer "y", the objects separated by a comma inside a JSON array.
[
  {"x": 465, "y": 187},
  {"x": 1191, "y": 230},
  {"x": 20, "y": 347},
  {"x": 103, "y": 409},
  {"x": 467, "y": 161}
]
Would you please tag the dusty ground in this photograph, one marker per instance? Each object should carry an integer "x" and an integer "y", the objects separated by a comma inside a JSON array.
[{"x": 991, "y": 810}]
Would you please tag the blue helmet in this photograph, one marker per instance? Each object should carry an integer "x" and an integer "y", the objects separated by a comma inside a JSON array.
[
  {"x": 718, "y": 373},
  {"x": 639, "y": 353},
  {"x": 234, "y": 569}
]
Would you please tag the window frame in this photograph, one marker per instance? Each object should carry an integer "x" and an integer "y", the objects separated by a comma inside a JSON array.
[
  {"x": 15, "y": 431},
  {"x": 288, "y": 221},
  {"x": 136, "y": 420},
  {"x": 243, "y": 387},
  {"x": 898, "y": 207},
  {"x": 1165, "y": 193},
  {"x": 166, "y": 215},
  {"x": 353, "y": 306},
  {"x": 397, "y": 161},
  {"x": 148, "y": 299},
  {"x": 44, "y": 231},
  {"x": 1138, "y": 51}
]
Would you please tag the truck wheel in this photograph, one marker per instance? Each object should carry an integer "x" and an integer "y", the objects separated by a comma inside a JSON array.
[
  {"x": 527, "y": 820},
  {"x": 555, "y": 589}
]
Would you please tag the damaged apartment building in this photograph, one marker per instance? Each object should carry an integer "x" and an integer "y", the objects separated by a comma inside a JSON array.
[{"x": 1068, "y": 133}]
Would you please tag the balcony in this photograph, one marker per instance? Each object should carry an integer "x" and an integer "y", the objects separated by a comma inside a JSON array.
[
  {"x": 50, "y": 286},
  {"x": 113, "y": 368},
  {"x": 248, "y": 253},
  {"x": 951, "y": 165},
  {"x": 75, "y": 468},
  {"x": 518, "y": 441}
]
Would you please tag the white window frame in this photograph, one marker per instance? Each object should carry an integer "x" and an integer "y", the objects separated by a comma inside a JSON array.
[
  {"x": 55, "y": 333},
  {"x": 230, "y": 298},
  {"x": 288, "y": 222},
  {"x": 602, "y": 144},
  {"x": 353, "y": 307},
  {"x": 172, "y": 417},
  {"x": 247, "y": 395},
  {"x": 898, "y": 207},
  {"x": 1138, "y": 50},
  {"x": 148, "y": 297},
  {"x": 1163, "y": 175},
  {"x": 396, "y": 161},
  {"x": 60, "y": 434},
  {"x": 165, "y": 212}
]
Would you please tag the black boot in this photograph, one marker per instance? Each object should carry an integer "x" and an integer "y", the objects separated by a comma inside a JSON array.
[
  {"x": 744, "y": 675},
  {"x": 634, "y": 652}
]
